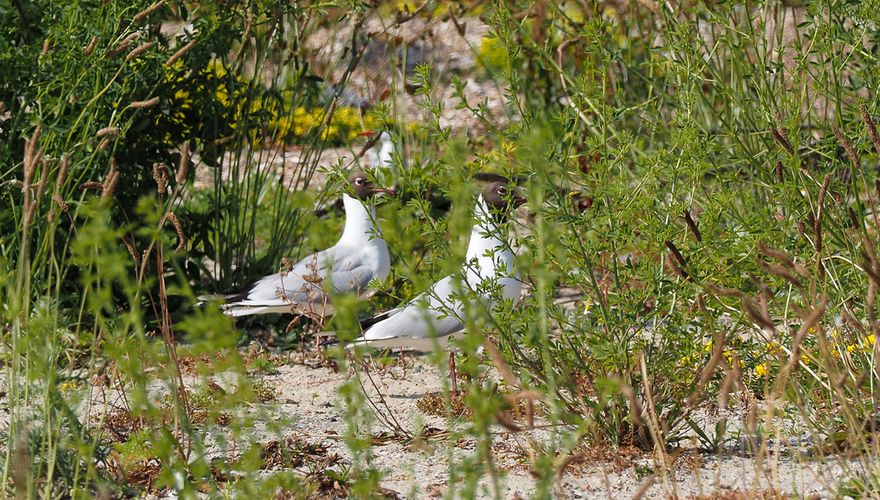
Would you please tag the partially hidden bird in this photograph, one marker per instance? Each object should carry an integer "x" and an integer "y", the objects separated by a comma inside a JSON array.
[
  {"x": 427, "y": 320},
  {"x": 380, "y": 155},
  {"x": 359, "y": 257},
  {"x": 378, "y": 152}
]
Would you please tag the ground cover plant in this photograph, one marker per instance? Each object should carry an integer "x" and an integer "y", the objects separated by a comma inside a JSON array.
[{"x": 699, "y": 247}]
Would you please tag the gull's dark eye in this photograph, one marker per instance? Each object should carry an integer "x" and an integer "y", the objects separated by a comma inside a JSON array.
[
  {"x": 359, "y": 181},
  {"x": 502, "y": 190}
]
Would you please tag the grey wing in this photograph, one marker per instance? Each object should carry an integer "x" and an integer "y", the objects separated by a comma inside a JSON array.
[
  {"x": 351, "y": 276},
  {"x": 300, "y": 285},
  {"x": 433, "y": 313}
]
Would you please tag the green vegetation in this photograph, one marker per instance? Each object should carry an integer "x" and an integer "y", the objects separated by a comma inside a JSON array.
[{"x": 703, "y": 190}]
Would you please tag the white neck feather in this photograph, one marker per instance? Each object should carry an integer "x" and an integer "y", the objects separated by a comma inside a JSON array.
[
  {"x": 489, "y": 256},
  {"x": 360, "y": 222},
  {"x": 385, "y": 150},
  {"x": 486, "y": 234}
]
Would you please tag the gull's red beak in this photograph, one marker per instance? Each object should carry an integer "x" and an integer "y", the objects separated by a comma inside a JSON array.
[
  {"x": 367, "y": 133},
  {"x": 391, "y": 191}
]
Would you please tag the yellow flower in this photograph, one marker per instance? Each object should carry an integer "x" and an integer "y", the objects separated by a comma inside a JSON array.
[
  {"x": 869, "y": 339},
  {"x": 805, "y": 360},
  {"x": 761, "y": 370},
  {"x": 68, "y": 386},
  {"x": 773, "y": 347},
  {"x": 850, "y": 348},
  {"x": 708, "y": 347},
  {"x": 493, "y": 54},
  {"x": 587, "y": 305},
  {"x": 329, "y": 132}
]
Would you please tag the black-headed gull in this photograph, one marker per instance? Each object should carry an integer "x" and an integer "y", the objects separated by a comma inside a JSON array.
[
  {"x": 378, "y": 151},
  {"x": 439, "y": 313},
  {"x": 359, "y": 257},
  {"x": 380, "y": 155}
]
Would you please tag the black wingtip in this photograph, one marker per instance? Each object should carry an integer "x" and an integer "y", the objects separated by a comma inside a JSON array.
[
  {"x": 328, "y": 342},
  {"x": 368, "y": 322}
]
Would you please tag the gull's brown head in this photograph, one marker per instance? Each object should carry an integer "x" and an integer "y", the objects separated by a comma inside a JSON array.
[
  {"x": 500, "y": 197},
  {"x": 363, "y": 187}
]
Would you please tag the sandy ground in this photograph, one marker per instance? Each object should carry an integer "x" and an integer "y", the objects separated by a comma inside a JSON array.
[
  {"x": 309, "y": 397},
  {"x": 308, "y": 405}
]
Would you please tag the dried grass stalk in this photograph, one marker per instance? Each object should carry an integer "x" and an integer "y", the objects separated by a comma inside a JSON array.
[
  {"x": 754, "y": 312},
  {"x": 149, "y": 103},
  {"x": 140, "y": 49},
  {"x": 779, "y": 172},
  {"x": 59, "y": 182},
  {"x": 91, "y": 46},
  {"x": 872, "y": 127},
  {"x": 505, "y": 421},
  {"x": 680, "y": 264},
  {"x": 779, "y": 134},
  {"x": 782, "y": 140},
  {"x": 810, "y": 322},
  {"x": 500, "y": 364},
  {"x": 692, "y": 225},
  {"x": 31, "y": 157},
  {"x": 180, "y": 53},
  {"x": 724, "y": 292},
  {"x": 123, "y": 45},
  {"x": 29, "y": 212},
  {"x": 62, "y": 172},
  {"x": 61, "y": 203},
  {"x": 717, "y": 355},
  {"x": 110, "y": 181},
  {"x": 92, "y": 185},
  {"x": 848, "y": 146},
  {"x": 110, "y": 186},
  {"x": 644, "y": 487},
  {"x": 108, "y": 132},
  {"x": 851, "y": 321},
  {"x": 45, "y": 49},
  {"x": 784, "y": 258},
  {"x": 727, "y": 386},
  {"x": 178, "y": 227},
  {"x": 129, "y": 244},
  {"x": 44, "y": 179},
  {"x": 140, "y": 16},
  {"x": 183, "y": 165},
  {"x": 635, "y": 408},
  {"x": 871, "y": 270},
  {"x": 161, "y": 178},
  {"x": 780, "y": 271}
]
